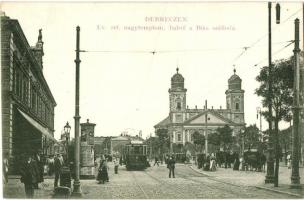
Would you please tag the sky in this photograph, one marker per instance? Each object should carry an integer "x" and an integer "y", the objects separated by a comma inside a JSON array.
[{"x": 123, "y": 86}]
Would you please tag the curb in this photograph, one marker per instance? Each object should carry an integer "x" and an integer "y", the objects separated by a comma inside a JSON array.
[{"x": 278, "y": 191}]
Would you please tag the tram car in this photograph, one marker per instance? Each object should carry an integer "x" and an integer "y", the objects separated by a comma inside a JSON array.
[{"x": 135, "y": 155}]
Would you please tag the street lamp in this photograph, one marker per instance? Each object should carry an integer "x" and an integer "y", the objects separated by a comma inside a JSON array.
[{"x": 67, "y": 129}]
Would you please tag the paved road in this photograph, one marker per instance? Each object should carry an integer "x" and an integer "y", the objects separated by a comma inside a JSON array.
[{"x": 153, "y": 183}]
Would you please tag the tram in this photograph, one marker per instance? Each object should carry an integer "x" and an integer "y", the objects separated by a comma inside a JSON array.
[{"x": 135, "y": 155}]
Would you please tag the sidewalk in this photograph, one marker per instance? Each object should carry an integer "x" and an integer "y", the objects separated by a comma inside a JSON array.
[{"x": 255, "y": 179}]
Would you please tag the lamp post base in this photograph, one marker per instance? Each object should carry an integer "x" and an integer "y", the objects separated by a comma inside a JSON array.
[{"x": 76, "y": 190}]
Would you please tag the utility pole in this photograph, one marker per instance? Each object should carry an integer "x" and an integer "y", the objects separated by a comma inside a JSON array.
[
  {"x": 295, "y": 178},
  {"x": 206, "y": 128},
  {"x": 77, "y": 190},
  {"x": 270, "y": 159}
]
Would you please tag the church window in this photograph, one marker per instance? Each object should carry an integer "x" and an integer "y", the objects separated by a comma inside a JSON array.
[{"x": 237, "y": 106}]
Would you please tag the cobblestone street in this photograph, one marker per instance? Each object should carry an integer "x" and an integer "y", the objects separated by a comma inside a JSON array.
[{"x": 153, "y": 183}]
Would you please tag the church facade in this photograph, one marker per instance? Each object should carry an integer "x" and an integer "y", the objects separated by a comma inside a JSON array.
[{"x": 182, "y": 122}]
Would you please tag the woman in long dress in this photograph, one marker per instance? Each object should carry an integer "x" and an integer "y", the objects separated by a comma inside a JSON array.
[{"x": 102, "y": 172}]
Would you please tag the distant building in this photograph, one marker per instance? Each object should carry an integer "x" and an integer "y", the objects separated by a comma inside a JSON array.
[
  {"x": 182, "y": 121},
  {"x": 27, "y": 101}
]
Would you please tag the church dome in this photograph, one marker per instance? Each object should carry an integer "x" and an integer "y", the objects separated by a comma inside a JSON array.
[
  {"x": 235, "y": 82},
  {"x": 177, "y": 81}
]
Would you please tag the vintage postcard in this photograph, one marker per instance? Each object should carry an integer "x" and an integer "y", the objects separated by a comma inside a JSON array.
[{"x": 152, "y": 100}]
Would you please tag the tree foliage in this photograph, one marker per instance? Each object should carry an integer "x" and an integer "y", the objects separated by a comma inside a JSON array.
[
  {"x": 251, "y": 136},
  {"x": 282, "y": 89},
  {"x": 198, "y": 140},
  {"x": 222, "y": 137}
]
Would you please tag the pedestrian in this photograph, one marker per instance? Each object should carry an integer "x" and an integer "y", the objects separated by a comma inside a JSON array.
[
  {"x": 288, "y": 161},
  {"x": 156, "y": 161},
  {"x": 58, "y": 163},
  {"x": 40, "y": 168},
  {"x": 5, "y": 168},
  {"x": 212, "y": 162},
  {"x": 236, "y": 163},
  {"x": 28, "y": 176},
  {"x": 116, "y": 164},
  {"x": 171, "y": 166},
  {"x": 102, "y": 176},
  {"x": 207, "y": 163}
]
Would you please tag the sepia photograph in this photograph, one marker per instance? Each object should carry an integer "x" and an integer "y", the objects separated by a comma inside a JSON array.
[{"x": 152, "y": 99}]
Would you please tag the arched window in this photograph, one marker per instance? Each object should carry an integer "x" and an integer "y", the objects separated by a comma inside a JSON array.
[
  {"x": 178, "y": 106},
  {"x": 237, "y": 106}
]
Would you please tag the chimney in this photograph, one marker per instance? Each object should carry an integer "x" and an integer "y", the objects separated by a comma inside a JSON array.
[
  {"x": 195, "y": 106},
  {"x": 212, "y": 107},
  {"x": 220, "y": 107},
  {"x": 38, "y": 50}
]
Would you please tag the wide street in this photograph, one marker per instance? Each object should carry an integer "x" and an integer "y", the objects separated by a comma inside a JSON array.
[{"x": 153, "y": 183}]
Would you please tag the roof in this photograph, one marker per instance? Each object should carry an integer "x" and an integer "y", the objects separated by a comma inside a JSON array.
[
  {"x": 164, "y": 122},
  {"x": 120, "y": 138},
  {"x": 213, "y": 112}
]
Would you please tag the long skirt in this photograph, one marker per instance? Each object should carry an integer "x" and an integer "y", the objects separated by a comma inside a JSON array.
[{"x": 102, "y": 175}]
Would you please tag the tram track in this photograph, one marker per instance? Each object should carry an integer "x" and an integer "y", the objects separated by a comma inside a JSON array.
[
  {"x": 167, "y": 185},
  {"x": 213, "y": 186},
  {"x": 139, "y": 186}
]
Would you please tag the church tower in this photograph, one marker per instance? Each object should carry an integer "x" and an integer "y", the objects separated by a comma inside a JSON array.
[
  {"x": 177, "y": 96},
  {"x": 235, "y": 98}
]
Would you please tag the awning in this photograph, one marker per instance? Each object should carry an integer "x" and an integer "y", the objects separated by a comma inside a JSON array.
[{"x": 42, "y": 129}]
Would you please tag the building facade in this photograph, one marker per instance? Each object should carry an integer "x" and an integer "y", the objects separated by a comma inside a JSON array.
[
  {"x": 27, "y": 101},
  {"x": 182, "y": 122}
]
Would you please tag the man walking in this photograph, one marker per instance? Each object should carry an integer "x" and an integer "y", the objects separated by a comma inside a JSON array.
[
  {"x": 171, "y": 166},
  {"x": 58, "y": 163},
  {"x": 28, "y": 176}
]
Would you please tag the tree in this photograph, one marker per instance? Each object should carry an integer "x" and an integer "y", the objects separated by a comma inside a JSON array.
[
  {"x": 198, "y": 139},
  {"x": 214, "y": 138},
  {"x": 163, "y": 139},
  {"x": 282, "y": 97},
  {"x": 251, "y": 136},
  {"x": 225, "y": 136}
]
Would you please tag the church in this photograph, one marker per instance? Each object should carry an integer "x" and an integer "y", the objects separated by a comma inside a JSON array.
[{"x": 183, "y": 121}]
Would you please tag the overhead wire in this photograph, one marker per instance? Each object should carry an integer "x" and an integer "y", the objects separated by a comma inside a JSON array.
[
  {"x": 276, "y": 52},
  {"x": 175, "y": 51},
  {"x": 262, "y": 37}
]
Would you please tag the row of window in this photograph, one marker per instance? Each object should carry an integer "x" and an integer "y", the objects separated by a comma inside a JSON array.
[{"x": 26, "y": 91}]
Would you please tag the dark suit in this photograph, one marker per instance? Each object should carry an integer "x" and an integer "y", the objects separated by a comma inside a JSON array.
[
  {"x": 171, "y": 166},
  {"x": 28, "y": 177},
  {"x": 57, "y": 169}
]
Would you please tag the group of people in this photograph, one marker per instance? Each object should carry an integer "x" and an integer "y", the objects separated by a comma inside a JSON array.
[
  {"x": 103, "y": 168},
  {"x": 248, "y": 161},
  {"x": 207, "y": 163},
  {"x": 31, "y": 171}
]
